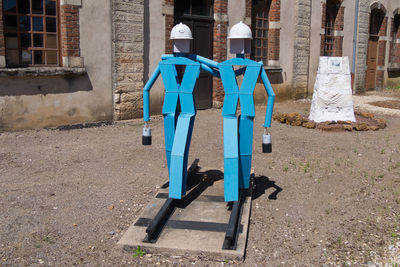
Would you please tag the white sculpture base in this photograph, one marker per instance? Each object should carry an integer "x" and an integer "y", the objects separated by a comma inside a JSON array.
[{"x": 332, "y": 98}]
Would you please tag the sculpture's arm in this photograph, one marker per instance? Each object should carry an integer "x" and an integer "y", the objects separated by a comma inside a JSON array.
[
  {"x": 206, "y": 61},
  {"x": 271, "y": 98},
  {"x": 208, "y": 65},
  {"x": 146, "y": 94},
  {"x": 212, "y": 71},
  {"x": 166, "y": 56},
  {"x": 146, "y": 137}
]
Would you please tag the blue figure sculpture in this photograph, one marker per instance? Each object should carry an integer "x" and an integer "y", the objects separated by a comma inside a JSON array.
[
  {"x": 238, "y": 132},
  {"x": 178, "y": 126}
]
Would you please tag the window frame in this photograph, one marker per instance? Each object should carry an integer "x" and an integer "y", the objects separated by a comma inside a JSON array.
[
  {"x": 331, "y": 12},
  {"x": 45, "y": 49},
  {"x": 181, "y": 12},
  {"x": 262, "y": 7}
]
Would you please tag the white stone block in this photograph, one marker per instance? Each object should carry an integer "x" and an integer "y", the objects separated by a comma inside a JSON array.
[{"x": 332, "y": 98}]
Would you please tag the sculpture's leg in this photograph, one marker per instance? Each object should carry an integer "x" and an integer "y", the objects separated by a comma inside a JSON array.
[
  {"x": 169, "y": 133},
  {"x": 179, "y": 156},
  {"x": 231, "y": 159},
  {"x": 245, "y": 149}
]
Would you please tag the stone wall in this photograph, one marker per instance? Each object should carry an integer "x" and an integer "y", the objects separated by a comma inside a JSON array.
[
  {"x": 301, "y": 48},
  {"x": 362, "y": 45},
  {"x": 128, "y": 51}
]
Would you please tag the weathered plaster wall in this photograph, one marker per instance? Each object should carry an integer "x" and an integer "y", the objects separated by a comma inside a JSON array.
[
  {"x": 348, "y": 30},
  {"x": 287, "y": 40},
  {"x": 315, "y": 44},
  {"x": 48, "y": 101}
]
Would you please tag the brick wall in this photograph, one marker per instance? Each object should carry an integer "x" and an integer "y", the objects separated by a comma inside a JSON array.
[
  {"x": 69, "y": 33},
  {"x": 274, "y": 32},
  {"x": 339, "y": 22},
  {"x": 219, "y": 45},
  {"x": 169, "y": 23},
  {"x": 383, "y": 28},
  {"x": 381, "y": 53},
  {"x": 128, "y": 51},
  {"x": 275, "y": 10},
  {"x": 69, "y": 17}
]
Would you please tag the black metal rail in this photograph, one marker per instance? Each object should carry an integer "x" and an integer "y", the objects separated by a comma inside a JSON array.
[
  {"x": 157, "y": 224},
  {"x": 232, "y": 229}
]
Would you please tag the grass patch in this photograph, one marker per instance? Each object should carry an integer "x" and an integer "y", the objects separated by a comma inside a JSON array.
[
  {"x": 285, "y": 168},
  {"x": 138, "y": 252},
  {"x": 307, "y": 167}
]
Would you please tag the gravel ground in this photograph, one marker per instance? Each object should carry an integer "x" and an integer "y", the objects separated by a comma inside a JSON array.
[{"x": 67, "y": 196}]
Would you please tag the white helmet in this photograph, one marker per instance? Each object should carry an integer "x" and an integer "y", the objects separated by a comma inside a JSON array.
[
  {"x": 181, "y": 32},
  {"x": 240, "y": 31}
]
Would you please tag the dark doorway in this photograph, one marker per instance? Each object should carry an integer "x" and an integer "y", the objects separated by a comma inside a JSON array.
[
  {"x": 376, "y": 18},
  {"x": 198, "y": 16}
]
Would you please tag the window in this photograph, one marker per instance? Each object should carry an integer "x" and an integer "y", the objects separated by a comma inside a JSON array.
[
  {"x": 260, "y": 19},
  {"x": 31, "y": 33},
  {"x": 332, "y": 9},
  {"x": 200, "y": 8},
  {"x": 376, "y": 19}
]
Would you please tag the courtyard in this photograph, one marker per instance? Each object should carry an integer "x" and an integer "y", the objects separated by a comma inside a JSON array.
[{"x": 68, "y": 194}]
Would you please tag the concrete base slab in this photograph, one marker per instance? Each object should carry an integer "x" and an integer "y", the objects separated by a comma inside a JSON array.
[{"x": 196, "y": 226}]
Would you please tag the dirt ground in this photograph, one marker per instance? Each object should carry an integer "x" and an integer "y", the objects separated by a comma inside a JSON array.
[{"x": 67, "y": 196}]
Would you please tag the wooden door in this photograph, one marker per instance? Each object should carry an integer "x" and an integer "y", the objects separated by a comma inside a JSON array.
[
  {"x": 372, "y": 59},
  {"x": 202, "y": 44}
]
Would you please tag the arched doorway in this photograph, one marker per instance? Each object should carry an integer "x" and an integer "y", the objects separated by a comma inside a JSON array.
[
  {"x": 198, "y": 15},
  {"x": 376, "y": 28}
]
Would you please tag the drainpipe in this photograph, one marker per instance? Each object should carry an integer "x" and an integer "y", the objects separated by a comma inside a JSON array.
[{"x": 353, "y": 65}]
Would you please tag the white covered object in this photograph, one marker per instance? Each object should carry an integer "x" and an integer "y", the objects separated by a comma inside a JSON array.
[
  {"x": 240, "y": 31},
  {"x": 181, "y": 36},
  {"x": 332, "y": 98},
  {"x": 181, "y": 32}
]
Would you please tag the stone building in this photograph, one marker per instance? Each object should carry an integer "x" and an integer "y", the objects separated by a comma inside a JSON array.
[{"x": 73, "y": 61}]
